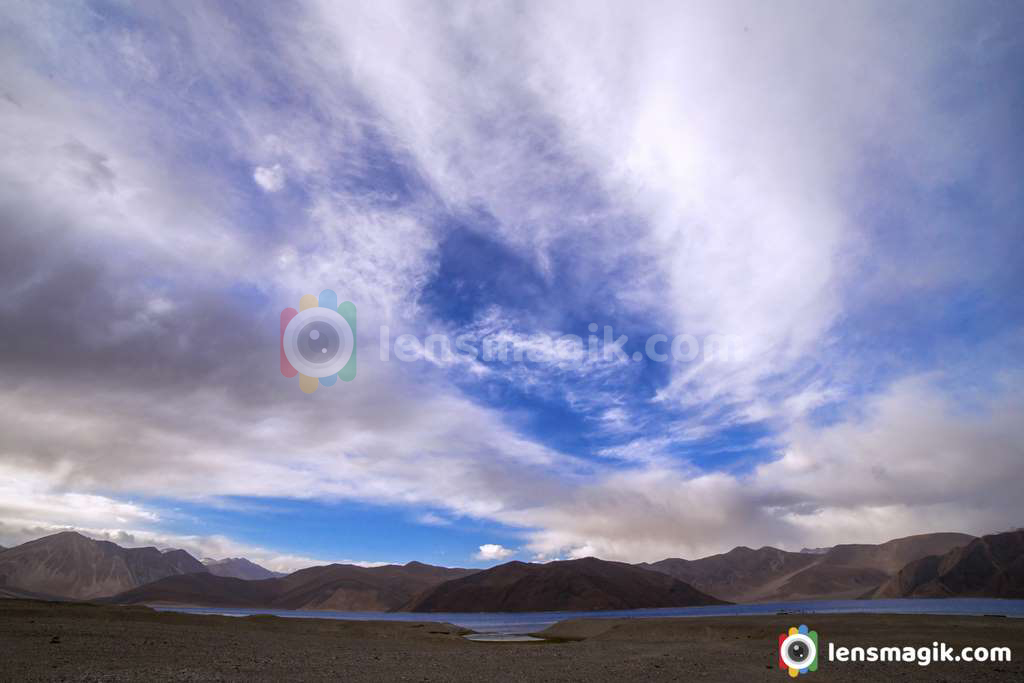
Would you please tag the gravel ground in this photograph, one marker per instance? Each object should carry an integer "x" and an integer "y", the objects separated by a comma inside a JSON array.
[{"x": 67, "y": 642}]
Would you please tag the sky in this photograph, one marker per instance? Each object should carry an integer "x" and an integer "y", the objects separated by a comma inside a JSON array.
[{"x": 834, "y": 188}]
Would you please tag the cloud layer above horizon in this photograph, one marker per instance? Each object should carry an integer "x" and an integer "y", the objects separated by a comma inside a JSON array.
[{"x": 837, "y": 186}]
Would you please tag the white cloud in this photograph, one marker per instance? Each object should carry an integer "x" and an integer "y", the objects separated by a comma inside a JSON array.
[
  {"x": 913, "y": 462},
  {"x": 433, "y": 519},
  {"x": 705, "y": 166},
  {"x": 270, "y": 178},
  {"x": 28, "y": 498},
  {"x": 493, "y": 551},
  {"x": 728, "y": 154}
]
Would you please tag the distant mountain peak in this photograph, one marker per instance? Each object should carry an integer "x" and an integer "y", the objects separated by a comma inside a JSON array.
[
  {"x": 71, "y": 565},
  {"x": 586, "y": 583},
  {"x": 990, "y": 566},
  {"x": 838, "y": 572},
  {"x": 67, "y": 536},
  {"x": 334, "y": 586},
  {"x": 239, "y": 568}
]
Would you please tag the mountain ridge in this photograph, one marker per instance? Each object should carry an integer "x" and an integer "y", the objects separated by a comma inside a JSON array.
[
  {"x": 582, "y": 584},
  {"x": 989, "y": 566},
  {"x": 70, "y": 565},
  {"x": 328, "y": 587},
  {"x": 844, "y": 571},
  {"x": 733, "y": 575},
  {"x": 239, "y": 568}
]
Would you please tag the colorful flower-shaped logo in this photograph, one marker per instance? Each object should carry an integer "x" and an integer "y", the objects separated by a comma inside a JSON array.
[
  {"x": 318, "y": 341},
  {"x": 798, "y": 650}
]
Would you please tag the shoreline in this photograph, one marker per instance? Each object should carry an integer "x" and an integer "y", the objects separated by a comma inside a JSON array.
[{"x": 1005, "y": 607}]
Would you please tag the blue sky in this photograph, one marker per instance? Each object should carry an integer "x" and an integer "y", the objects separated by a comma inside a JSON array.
[{"x": 837, "y": 189}]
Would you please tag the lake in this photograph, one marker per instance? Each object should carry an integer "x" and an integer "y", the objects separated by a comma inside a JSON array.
[{"x": 529, "y": 622}]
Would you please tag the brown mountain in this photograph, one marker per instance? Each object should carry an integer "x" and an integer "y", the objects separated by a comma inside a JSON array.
[
  {"x": 72, "y": 566},
  {"x": 348, "y": 587},
  {"x": 336, "y": 586},
  {"x": 738, "y": 575},
  {"x": 857, "y": 570},
  {"x": 586, "y": 584},
  {"x": 893, "y": 555},
  {"x": 206, "y": 590},
  {"x": 840, "y": 572},
  {"x": 19, "y": 594},
  {"x": 990, "y": 566},
  {"x": 239, "y": 568}
]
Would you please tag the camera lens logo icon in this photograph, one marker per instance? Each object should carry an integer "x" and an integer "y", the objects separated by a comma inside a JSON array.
[
  {"x": 798, "y": 650},
  {"x": 318, "y": 341}
]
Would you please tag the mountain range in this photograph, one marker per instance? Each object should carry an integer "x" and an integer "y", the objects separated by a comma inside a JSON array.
[
  {"x": 68, "y": 565},
  {"x": 836, "y": 573},
  {"x": 990, "y": 566},
  {"x": 583, "y": 584},
  {"x": 239, "y": 568},
  {"x": 334, "y": 586}
]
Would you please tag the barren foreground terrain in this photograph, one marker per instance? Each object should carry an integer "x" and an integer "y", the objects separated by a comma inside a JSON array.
[{"x": 69, "y": 642}]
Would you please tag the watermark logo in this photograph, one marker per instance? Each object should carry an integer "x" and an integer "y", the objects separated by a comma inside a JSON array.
[
  {"x": 798, "y": 650},
  {"x": 564, "y": 351},
  {"x": 318, "y": 341}
]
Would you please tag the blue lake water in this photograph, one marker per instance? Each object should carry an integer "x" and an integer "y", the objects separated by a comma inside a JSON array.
[{"x": 529, "y": 622}]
